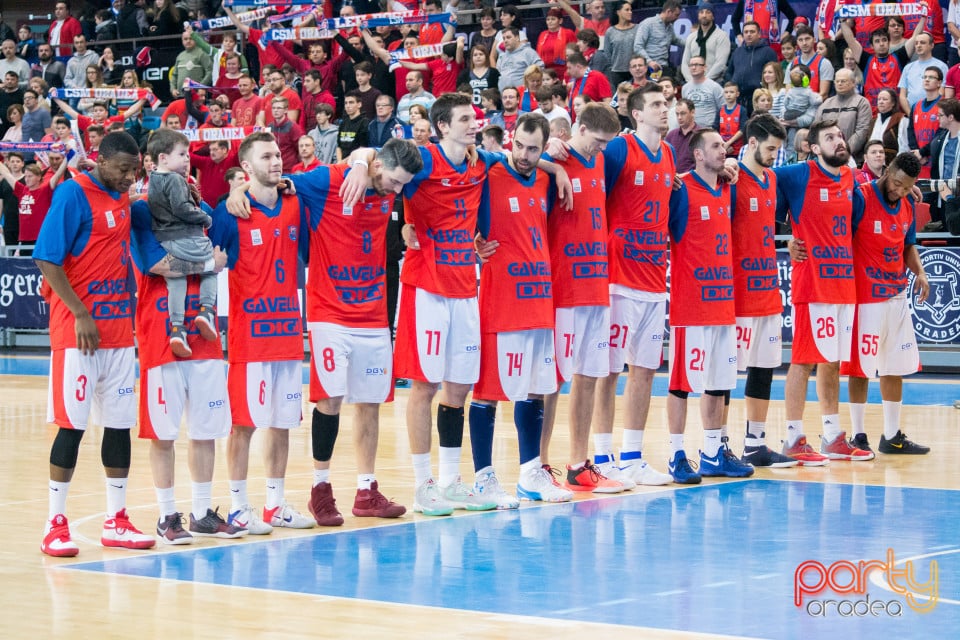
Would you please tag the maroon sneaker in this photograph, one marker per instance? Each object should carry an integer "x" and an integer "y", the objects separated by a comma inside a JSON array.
[
  {"x": 323, "y": 506},
  {"x": 370, "y": 503}
]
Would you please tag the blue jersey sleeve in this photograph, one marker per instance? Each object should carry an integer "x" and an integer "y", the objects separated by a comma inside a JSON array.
[
  {"x": 411, "y": 187},
  {"x": 859, "y": 206},
  {"x": 483, "y": 212},
  {"x": 225, "y": 234},
  {"x": 791, "y": 190},
  {"x": 66, "y": 229},
  {"x": 146, "y": 249},
  {"x": 911, "y": 237},
  {"x": 679, "y": 206},
  {"x": 312, "y": 187},
  {"x": 733, "y": 201},
  {"x": 614, "y": 158}
]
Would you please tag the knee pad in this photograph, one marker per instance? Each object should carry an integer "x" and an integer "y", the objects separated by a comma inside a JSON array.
[
  {"x": 679, "y": 394},
  {"x": 115, "y": 448},
  {"x": 324, "y": 431},
  {"x": 66, "y": 447},
  {"x": 716, "y": 393},
  {"x": 759, "y": 382}
]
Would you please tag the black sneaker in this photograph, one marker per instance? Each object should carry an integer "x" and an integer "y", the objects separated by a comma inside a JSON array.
[
  {"x": 170, "y": 530},
  {"x": 899, "y": 444},
  {"x": 213, "y": 526},
  {"x": 764, "y": 456},
  {"x": 860, "y": 442}
]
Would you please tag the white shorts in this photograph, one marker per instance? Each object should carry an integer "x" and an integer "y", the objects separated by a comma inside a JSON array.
[
  {"x": 703, "y": 358},
  {"x": 759, "y": 343},
  {"x": 355, "y": 364},
  {"x": 196, "y": 389},
  {"x": 885, "y": 344},
  {"x": 266, "y": 394},
  {"x": 636, "y": 333},
  {"x": 582, "y": 342},
  {"x": 821, "y": 332},
  {"x": 516, "y": 364},
  {"x": 438, "y": 339},
  {"x": 94, "y": 388}
]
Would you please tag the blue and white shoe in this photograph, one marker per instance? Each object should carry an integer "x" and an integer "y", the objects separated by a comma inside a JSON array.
[
  {"x": 609, "y": 468},
  {"x": 724, "y": 464},
  {"x": 538, "y": 485},
  {"x": 681, "y": 470}
]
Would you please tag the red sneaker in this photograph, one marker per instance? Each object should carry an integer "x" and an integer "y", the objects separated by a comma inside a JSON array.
[
  {"x": 56, "y": 541},
  {"x": 118, "y": 531},
  {"x": 804, "y": 453},
  {"x": 589, "y": 478},
  {"x": 323, "y": 507},
  {"x": 370, "y": 503},
  {"x": 841, "y": 449}
]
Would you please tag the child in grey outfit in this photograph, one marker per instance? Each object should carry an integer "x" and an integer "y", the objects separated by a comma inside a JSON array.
[{"x": 179, "y": 224}]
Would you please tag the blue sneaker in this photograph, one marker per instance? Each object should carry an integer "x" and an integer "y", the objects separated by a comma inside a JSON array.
[
  {"x": 725, "y": 464},
  {"x": 681, "y": 470}
]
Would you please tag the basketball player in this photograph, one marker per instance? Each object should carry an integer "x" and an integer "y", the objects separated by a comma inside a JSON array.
[
  {"x": 640, "y": 172},
  {"x": 350, "y": 344},
  {"x": 756, "y": 283},
  {"x": 83, "y": 253},
  {"x": 172, "y": 388},
  {"x": 265, "y": 341},
  {"x": 578, "y": 257},
  {"x": 517, "y": 360},
  {"x": 703, "y": 348},
  {"x": 819, "y": 196}
]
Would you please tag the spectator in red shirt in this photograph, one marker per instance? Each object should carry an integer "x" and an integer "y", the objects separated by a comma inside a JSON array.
[
  {"x": 63, "y": 30},
  {"x": 246, "y": 108},
  {"x": 313, "y": 94},
  {"x": 307, "y": 150},
  {"x": 213, "y": 170},
  {"x": 277, "y": 88},
  {"x": 287, "y": 133},
  {"x": 99, "y": 114},
  {"x": 583, "y": 81},
  {"x": 34, "y": 197},
  {"x": 436, "y": 32},
  {"x": 229, "y": 80},
  {"x": 444, "y": 69},
  {"x": 552, "y": 43},
  {"x": 269, "y": 53},
  {"x": 317, "y": 59}
]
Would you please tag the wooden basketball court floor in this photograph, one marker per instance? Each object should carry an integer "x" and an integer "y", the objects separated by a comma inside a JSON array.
[{"x": 658, "y": 562}]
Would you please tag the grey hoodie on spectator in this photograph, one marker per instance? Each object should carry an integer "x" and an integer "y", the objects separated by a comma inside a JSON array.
[{"x": 512, "y": 64}]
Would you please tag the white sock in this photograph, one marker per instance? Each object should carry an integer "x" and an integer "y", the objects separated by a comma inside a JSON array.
[
  {"x": 274, "y": 493},
  {"x": 449, "y": 465},
  {"x": 201, "y": 492},
  {"x": 116, "y": 495},
  {"x": 723, "y": 431},
  {"x": 831, "y": 427},
  {"x": 857, "y": 412},
  {"x": 365, "y": 480},
  {"x": 794, "y": 431},
  {"x": 320, "y": 476},
  {"x": 711, "y": 442},
  {"x": 891, "y": 418},
  {"x": 58, "y": 498},
  {"x": 632, "y": 441},
  {"x": 676, "y": 442},
  {"x": 167, "y": 501},
  {"x": 603, "y": 443},
  {"x": 421, "y": 468},
  {"x": 531, "y": 465},
  {"x": 238, "y": 494},
  {"x": 755, "y": 433}
]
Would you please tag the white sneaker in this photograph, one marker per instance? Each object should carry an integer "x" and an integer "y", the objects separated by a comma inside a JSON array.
[
  {"x": 288, "y": 517},
  {"x": 613, "y": 472},
  {"x": 488, "y": 486},
  {"x": 248, "y": 518},
  {"x": 118, "y": 531},
  {"x": 537, "y": 484},
  {"x": 463, "y": 497},
  {"x": 643, "y": 474},
  {"x": 429, "y": 501}
]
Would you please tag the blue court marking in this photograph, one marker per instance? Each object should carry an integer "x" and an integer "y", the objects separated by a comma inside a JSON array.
[
  {"x": 716, "y": 558},
  {"x": 938, "y": 391}
]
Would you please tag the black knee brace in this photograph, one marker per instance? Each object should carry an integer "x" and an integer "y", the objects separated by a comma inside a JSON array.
[
  {"x": 450, "y": 426},
  {"x": 115, "y": 448},
  {"x": 715, "y": 393},
  {"x": 679, "y": 394},
  {"x": 759, "y": 381},
  {"x": 325, "y": 431},
  {"x": 65, "y": 448}
]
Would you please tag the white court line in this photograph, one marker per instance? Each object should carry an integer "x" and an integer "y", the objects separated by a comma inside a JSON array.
[
  {"x": 876, "y": 577},
  {"x": 670, "y": 593}
]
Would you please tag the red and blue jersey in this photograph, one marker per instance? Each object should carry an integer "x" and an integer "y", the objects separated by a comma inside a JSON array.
[
  {"x": 880, "y": 73},
  {"x": 87, "y": 232},
  {"x": 262, "y": 250},
  {"x": 441, "y": 203},
  {"x": 701, "y": 265},
  {"x": 516, "y": 283},
  {"x": 729, "y": 126},
  {"x": 881, "y": 231},
  {"x": 578, "y": 238},
  {"x": 925, "y": 123},
  {"x": 347, "y": 282},
  {"x": 753, "y": 220},
  {"x": 639, "y": 184},
  {"x": 820, "y": 205},
  {"x": 153, "y": 316},
  {"x": 814, "y": 66}
]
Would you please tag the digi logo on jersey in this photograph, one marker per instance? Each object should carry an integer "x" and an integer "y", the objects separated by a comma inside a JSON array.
[
  {"x": 590, "y": 270},
  {"x": 359, "y": 295},
  {"x": 529, "y": 290},
  {"x": 762, "y": 283},
  {"x": 455, "y": 257},
  {"x": 275, "y": 328},
  {"x": 937, "y": 318},
  {"x": 112, "y": 309}
]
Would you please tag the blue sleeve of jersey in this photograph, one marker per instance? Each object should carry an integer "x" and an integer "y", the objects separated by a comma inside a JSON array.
[
  {"x": 483, "y": 213},
  {"x": 614, "y": 158},
  {"x": 312, "y": 187},
  {"x": 733, "y": 201},
  {"x": 911, "y": 237},
  {"x": 791, "y": 190},
  {"x": 66, "y": 229},
  {"x": 225, "y": 234},
  {"x": 679, "y": 206},
  {"x": 411, "y": 187},
  {"x": 146, "y": 249},
  {"x": 859, "y": 206}
]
